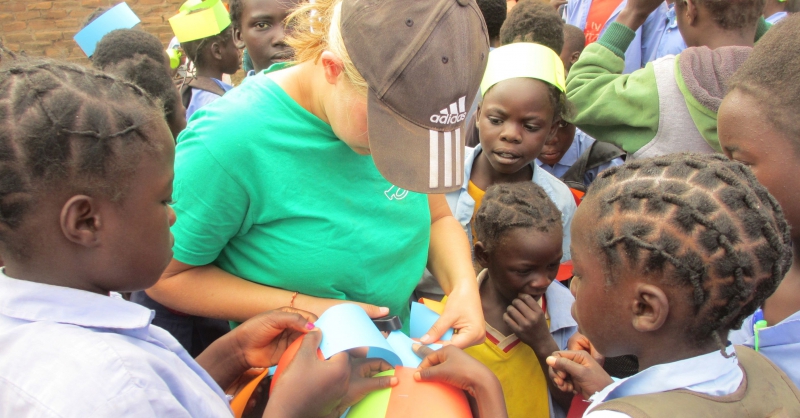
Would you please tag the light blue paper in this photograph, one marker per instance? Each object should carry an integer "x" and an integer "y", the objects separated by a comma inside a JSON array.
[
  {"x": 347, "y": 326},
  {"x": 118, "y": 17},
  {"x": 422, "y": 319},
  {"x": 401, "y": 345}
]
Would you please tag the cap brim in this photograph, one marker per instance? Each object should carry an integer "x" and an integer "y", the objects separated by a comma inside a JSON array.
[{"x": 412, "y": 157}]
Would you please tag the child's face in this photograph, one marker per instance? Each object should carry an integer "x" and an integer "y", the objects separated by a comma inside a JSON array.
[
  {"x": 599, "y": 308},
  {"x": 515, "y": 120},
  {"x": 262, "y": 31},
  {"x": 747, "y": 136},
  {"x": 136, "y": 235},
  {"x": 231, "y": 57},
  {"x": 525, "y": 261},
  {"x": 554, "y": 149}
]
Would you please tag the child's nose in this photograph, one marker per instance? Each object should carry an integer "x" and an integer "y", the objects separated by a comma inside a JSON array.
[
  {"x": 512, "y": 133},
  {"x": 171, "y": 215}
]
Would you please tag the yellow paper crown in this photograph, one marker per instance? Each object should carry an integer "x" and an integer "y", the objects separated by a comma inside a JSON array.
[
  {"x": 199, "y": 19},
  {"x": 523, "y": 60}
]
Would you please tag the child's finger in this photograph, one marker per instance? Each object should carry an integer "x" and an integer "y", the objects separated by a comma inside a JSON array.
[
  {"x": 518, "y": 317},
  {"x": 422, "y": 351},
  {"x": 566, "y": 365},
  {"x": 529, "y": 302}
]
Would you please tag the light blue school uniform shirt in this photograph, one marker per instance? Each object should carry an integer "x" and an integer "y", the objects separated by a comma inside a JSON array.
[
  {"x": 462, "y": 205},
  {"x": 671, "y": 42},
  {"x": 780, "y": 343},
  {"x": 644, "y": 47},
  {"x": 776, "y": 17},
  {"x": 201, "y": 97},
  {"x": 580, "y": 144},
  {"x": 709, "y": 374},
  {"x": 72, "y": 353}
]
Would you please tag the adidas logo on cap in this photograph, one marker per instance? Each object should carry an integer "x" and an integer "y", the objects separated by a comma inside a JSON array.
[{"x": 455, "y": 113}]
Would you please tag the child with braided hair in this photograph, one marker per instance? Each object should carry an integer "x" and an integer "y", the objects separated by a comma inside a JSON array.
[
  {"x": 526, "y": 311},
  {"x": 86, "y": 162},
  {"x": 767, "y": 142},
  {"x": 673, "y": 252}
]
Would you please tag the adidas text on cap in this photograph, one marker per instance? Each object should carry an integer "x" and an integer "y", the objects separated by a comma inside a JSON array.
[{"x": 423, "y": 61}]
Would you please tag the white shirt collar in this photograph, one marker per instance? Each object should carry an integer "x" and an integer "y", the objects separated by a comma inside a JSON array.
[{"x": 31, "y": 301}]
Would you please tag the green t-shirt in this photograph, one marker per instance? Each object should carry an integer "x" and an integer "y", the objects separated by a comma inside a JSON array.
[{"x": 265, "y": 191}]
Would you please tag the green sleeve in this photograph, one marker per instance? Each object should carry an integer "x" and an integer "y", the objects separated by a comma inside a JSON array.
[
  {"x": 762, "y": 28},
  {"x": 610, "y": 106}
]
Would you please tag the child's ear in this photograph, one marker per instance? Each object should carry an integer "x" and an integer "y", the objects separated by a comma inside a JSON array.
[
  {"x": 650, "y": 308},
  {"x": 481, "y": 255},
  {"x": 478, "y": 117},
  {"x": 574, "y": 57},
  {"x": 80, "y": 220},
  {"x": 333, "y": 66},
  {"x": 691, "y": 12},
  {"x": 216, "y": 51},
  {"x": 237, "y": 39}
]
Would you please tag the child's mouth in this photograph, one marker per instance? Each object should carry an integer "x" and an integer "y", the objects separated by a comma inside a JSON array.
[{"x": 505, "y": 157}]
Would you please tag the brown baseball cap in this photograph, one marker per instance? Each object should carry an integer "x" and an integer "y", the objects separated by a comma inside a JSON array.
[{"x": 423, "y": 61}]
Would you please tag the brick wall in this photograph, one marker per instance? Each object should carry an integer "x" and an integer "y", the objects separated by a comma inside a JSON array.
[{"x": 46, "y": 28}]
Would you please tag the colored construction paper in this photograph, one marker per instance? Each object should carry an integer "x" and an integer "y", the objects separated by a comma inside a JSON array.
[
  {"x": 401, "y": 345},
  {"x": 199, "y": 19},
  {"x": 373, "y": 405},
  {"x": 424, "y": 399},
  {"x": 523, "y": 60},
  {"x": 118, "y": 17},
  {"x": 435, "y": 306},
  {"x": 422, "y": 319},
  {"x": 347, "y": 326}
]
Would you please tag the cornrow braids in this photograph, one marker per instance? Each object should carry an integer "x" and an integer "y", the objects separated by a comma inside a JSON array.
[
  {"x": 121, "y": 44},
  {"x": 515, "y": 205},
  {"x": 65, "y": 127},
  {"x": 701, "y": 222}
]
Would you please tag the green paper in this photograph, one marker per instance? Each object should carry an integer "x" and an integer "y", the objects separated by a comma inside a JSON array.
[
  {"x": 756, "y": 328},
  {"x": 523, "y": 60},
  {"x": 375, "y": 404},
  {"x": 199, "y": 19}
]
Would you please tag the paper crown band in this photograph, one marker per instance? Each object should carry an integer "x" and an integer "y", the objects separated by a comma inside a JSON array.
[
  {"x": 523, "y": 60},
  {"x": 118, "y": 17},
  {"x": 198, "y": 19}
]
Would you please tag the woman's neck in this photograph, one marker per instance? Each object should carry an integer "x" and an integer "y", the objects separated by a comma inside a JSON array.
[
  {"x": 786, "y": 299},
  {"x": 484, "y": 175},
  {"x": 304, "y": 84}
]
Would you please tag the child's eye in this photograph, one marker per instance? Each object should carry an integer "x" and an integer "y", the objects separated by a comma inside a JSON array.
[
  {"x": 263, "y": 25},
  {"x": 495, "y": 121},
  {"x": 531, "y": 128}
]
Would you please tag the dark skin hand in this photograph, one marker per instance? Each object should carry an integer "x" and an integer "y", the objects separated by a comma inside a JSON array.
[
  {"x": 258, "y": 342},
  {"x": 579, "y": 341},
  {"x": 577, "y": 372},
  {"x": 456, "y": 368},
  {"x": 635, "y": 12},
  {"x": 527, "y": 320}
]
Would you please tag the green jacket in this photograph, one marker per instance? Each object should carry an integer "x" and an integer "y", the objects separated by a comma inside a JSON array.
[{"x": 621, "y": 108}]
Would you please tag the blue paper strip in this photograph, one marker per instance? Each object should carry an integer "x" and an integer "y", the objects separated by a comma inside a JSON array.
[
  {"x": 118, "y": 17},
  {"x": 422, "y": 319},
  {"x": 347, "y": 326}
]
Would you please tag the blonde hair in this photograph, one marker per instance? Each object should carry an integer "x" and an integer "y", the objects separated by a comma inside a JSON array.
[{"x": 316, "y": 27}]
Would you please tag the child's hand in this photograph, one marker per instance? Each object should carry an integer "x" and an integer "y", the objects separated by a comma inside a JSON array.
[
  {"x": 310, "y": 387},
  {"x": 362, "y": 381},
  {"x": 527, "y": 320},
  {"x": 577, "y": 372},
  {"x": 579, "y": 341},
  {"x": 635, "y": 12},
  {"x": 263, "y": 338},
  {"x": 456, "y": 368}
]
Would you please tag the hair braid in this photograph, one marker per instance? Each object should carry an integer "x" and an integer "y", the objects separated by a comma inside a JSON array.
[
  {"x": 700, "y": 221},
  {"x": 65, "y": 127},
  {"x": 515, "y": 205}
]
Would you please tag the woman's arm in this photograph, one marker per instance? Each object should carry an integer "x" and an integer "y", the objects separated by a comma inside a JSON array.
[
  {"x": 450, "y": 261},
  {"x": 211, "y": 292}
]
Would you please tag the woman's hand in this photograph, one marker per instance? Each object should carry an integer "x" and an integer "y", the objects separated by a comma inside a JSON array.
[
  {"x": 577, "y": 372},
  {"x": 319, "y": 305},
  {"x": 310, "y": 387},
  {"x": 462, "y": 312},
  {"x": 452, "y": 366}
]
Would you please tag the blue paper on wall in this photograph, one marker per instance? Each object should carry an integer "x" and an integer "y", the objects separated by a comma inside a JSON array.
[{"x": 118, "y": 17}]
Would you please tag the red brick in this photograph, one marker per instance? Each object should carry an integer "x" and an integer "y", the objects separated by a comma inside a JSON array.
[
  {"x": 18, "y": 37},
  {"x": 55, "y": 52},
  {"x": 152, "y": 20},
  {"x": 36, "y": 25},
  {"x": 91, "y": 3},
  {"x": 25, "y": 16},
  {"x": 35, "y": 46},
  {"x": 48, "y": 36},
  {"x": 45, "y": 5},
  {"x": 6, "y": 17},
  {"x": 14, "y": 26},
  {"x": 12, "y": 6},
  {"x": 55, "y": 14},
  {"x": 66, "y": 5},
  {"x": 68, "y": 23}
]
